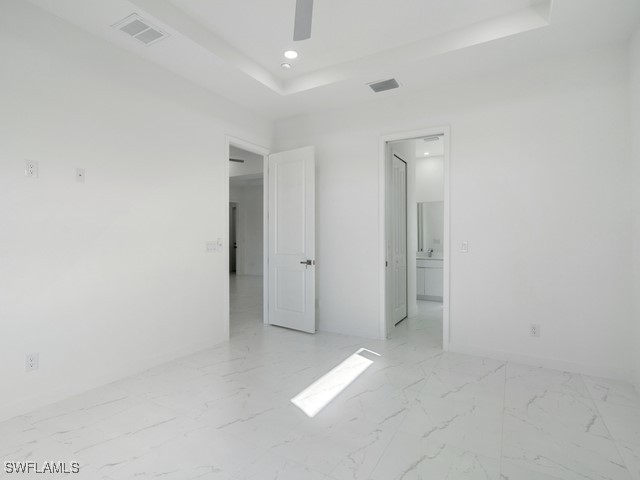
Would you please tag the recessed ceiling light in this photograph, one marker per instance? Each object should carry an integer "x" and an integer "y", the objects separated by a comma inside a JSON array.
[
  {"x": 291, "y": 54},
  {"x": 426, "y": 153},
  {"x": 285, "y": 65}
]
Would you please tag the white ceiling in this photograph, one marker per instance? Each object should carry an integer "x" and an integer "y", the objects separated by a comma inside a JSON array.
[
  {"x": 342, "y": 31},
  {"x": 251, "y": 164},
  {"x": 241, "y": 154},
  {"x": 234, "y": 48},
  {"x": 429, "y": 148},
  {"x": 248, "y": 180}
]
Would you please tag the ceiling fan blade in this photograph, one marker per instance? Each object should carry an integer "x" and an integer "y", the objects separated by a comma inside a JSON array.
[{"x": 302, "y": 25}]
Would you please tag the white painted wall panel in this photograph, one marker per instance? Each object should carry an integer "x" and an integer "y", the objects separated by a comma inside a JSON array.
[
  {"x": 634, "y": 58},
  {"x": 540, "y": 188},
  {"x": 107, "y": 277}
]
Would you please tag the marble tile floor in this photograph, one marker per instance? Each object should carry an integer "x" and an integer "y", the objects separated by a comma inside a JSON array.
[{"x": 415, "y": 413}]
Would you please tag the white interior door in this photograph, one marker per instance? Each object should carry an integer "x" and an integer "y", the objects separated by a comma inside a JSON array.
[
  {"x": 292, "y": 239},
  {"x": 398, "y": 221}
]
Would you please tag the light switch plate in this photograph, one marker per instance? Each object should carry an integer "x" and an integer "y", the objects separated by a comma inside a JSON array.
[
  {"x": 31, "y": 362},
  {"x": 464, "y": 247},
  {"x": 211, "y": 246},
  {"x": 534, "y": 330},
  {"x": 30, "y": 169}
]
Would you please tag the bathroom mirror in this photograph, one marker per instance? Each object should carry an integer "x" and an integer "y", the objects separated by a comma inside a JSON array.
[{"x": 431, "y": 229}]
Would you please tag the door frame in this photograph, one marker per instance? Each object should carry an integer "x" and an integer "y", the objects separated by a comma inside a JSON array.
[
  {"x": 382, "y": 231},
  {"x": 264, "y": 152}
]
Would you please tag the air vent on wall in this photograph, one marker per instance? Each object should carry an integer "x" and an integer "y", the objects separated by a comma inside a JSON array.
[
  {"x": 384, "y": 85},
  {"x": 140, "y": 29}
]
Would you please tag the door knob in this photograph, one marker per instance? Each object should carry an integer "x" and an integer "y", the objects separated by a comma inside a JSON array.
[{"x": 307, "y": 262}]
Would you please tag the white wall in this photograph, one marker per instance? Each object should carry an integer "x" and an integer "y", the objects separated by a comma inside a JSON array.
[
  {"x": 540, "y": 187},
  {"x": 108, "y": 277},
  {"x": 249, "y": 228},
  {"x": 635, "y": 117}
]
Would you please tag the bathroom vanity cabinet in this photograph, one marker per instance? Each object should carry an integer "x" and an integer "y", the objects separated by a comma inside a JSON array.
[{"x": 429, "y": 279}]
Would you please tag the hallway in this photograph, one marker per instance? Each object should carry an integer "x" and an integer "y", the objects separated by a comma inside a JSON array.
[{"x": 245, "y": 305}]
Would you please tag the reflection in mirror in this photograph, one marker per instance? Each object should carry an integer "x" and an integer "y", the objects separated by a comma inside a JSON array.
[{"x": 430, "y": 229}]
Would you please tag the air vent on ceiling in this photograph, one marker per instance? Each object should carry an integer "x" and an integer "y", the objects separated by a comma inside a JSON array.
[
  {"x": 384, "y": 85},
  {"x": 140, "y": 29}
]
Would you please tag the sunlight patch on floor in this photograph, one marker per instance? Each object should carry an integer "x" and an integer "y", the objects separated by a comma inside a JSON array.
[{"x": 321, "y": 392}]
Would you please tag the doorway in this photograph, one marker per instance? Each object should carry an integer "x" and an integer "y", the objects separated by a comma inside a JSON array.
[
  {"x": 414, "y": 181},
  {"x": 275, "y": 252},
  {"x": 246, "y": 239}
]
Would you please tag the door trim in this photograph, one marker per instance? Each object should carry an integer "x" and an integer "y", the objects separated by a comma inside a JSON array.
[
  {"x": 406, "y": 241},
  {"x": 446, "y": 303},
  {"x": 264, "y": 152}
]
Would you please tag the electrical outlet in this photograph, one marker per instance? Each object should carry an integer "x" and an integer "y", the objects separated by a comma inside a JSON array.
[
  {"x": 80, "y": 175},
  {"x": 30, "y": 169},
  {"x": 534, "y": 330},
  {"x": 211, "y": 246},
  {"x": 31, "y": 362}
]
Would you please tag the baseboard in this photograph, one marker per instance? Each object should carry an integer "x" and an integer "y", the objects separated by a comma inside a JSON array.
[
  {"x": 551, "y": 363},
  {"x": 11, "y": 410}
]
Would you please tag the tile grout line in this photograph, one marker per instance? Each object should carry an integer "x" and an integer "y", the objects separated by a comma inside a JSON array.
[
  {"x": 604, "y": 422},
  {"x": 180, "y": 413},
  {"x": 395, "y": 434},
  {"x": 202, "y": 424},
  {"x": 64, "y": 445}
]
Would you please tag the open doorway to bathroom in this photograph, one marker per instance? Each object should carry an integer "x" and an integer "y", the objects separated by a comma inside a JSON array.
[
  {"x": 246, "y": 240},
  {"x": 416, "y": 236}
]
